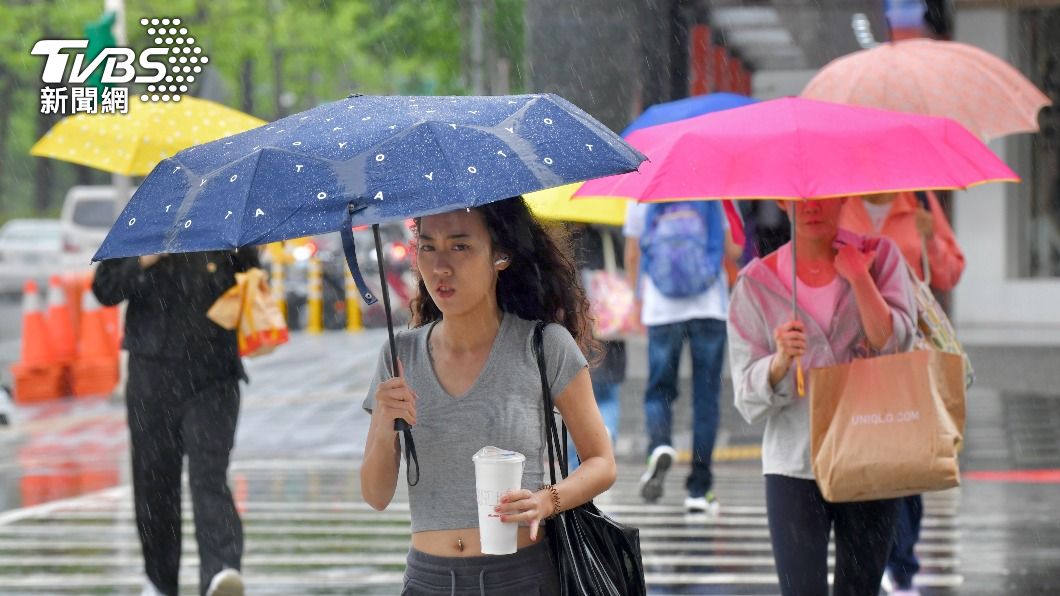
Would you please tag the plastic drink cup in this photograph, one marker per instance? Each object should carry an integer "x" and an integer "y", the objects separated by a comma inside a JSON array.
[{"x": 497, "y": 471}]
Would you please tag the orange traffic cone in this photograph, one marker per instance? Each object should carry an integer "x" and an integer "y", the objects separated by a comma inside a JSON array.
[
  {"x": 95, "y": 372},
  {"x": 60, "y": 322},
  {"x": 111, "y": 314},
  {"x": 38, "y": 375},
  {"x": 36, "y": 345},
  {"x": 74, "y": 284}
]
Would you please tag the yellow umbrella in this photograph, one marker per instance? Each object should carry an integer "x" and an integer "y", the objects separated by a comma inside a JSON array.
[
  {"x": 556, "y": 204},
  {"x": 132, "y": 144}
]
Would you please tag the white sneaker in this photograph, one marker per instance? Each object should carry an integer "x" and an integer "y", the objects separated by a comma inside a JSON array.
[
  {"x": 150, "y": 589},
  {"x": 659, "y": 462},
  {"x": 886, "y": 584},
  {"x": 226, "y": 583},
  {"x": 707, "y": 504}
]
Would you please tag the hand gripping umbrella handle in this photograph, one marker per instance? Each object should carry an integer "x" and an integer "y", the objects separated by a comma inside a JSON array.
[{"x": 349, "y": 248}]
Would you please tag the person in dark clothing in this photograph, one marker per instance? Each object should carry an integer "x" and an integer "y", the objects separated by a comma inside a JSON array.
[
  {"x": 766, "y": 229},
  {"x": 608, "y": 367},
  {"x": 182, "y": 397}
]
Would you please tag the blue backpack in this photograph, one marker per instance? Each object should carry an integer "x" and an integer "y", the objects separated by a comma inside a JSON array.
[{"x": 681, "y": 247}]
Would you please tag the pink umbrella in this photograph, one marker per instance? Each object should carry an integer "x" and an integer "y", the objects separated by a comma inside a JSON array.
[
  {"x": 940, "y": 78},
  {"x": 792, "y": 149}
]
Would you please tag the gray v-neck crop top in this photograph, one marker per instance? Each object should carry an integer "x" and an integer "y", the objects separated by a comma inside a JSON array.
[{"x": 503, "y": 408}]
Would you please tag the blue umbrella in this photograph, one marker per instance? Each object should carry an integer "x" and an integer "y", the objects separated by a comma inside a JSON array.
[
  {"x": 362, "y": 160},
  {"x": 671, "y": 111},
  {"x": 690, "y": 107}
]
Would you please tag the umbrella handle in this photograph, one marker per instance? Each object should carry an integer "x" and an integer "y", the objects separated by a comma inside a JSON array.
[
  {"x": 400, "y": 424},
  {"x": 800, "y": 381},
  {"x": 349, "y": 248}
]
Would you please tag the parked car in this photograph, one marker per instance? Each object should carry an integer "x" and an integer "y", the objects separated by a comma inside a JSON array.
[
  {"x": 29, "y": 249},
  {"x": 88, "y": 213}
]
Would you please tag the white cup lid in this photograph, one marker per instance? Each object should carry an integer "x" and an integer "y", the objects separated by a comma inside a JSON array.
[{"x": 496, "y": 454}]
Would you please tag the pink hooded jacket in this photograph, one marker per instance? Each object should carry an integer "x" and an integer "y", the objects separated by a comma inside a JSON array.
[{"x": 944, "y": 255}]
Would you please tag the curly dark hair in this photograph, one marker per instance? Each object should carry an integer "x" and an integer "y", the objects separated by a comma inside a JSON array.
[{"x": 541, "y": 282}]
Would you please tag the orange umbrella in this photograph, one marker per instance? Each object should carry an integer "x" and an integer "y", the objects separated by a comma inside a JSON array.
[{"x": 939, "y": 78}]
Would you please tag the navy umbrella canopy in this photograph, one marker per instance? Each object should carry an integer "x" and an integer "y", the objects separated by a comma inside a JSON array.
[
  {"x": 384, "y": 158},
  {"x": 363, "y": 160}
]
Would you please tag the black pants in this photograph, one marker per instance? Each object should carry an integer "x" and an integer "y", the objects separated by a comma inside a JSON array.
[
  {"x": 170, "y": 416},
  {"x": 799, "y": 523}
]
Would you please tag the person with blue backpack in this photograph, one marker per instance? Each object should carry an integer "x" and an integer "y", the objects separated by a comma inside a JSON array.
[{"x": 674, "y": 254}]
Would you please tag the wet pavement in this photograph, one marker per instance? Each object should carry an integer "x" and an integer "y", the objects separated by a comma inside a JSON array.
[{"x": 295, "y": 479}]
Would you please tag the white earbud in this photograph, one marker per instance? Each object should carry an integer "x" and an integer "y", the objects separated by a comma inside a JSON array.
[{"x": 501, "y": 261}]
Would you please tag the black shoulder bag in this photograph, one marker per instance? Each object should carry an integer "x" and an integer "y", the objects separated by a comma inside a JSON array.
[{"x": 595, "y": 554}]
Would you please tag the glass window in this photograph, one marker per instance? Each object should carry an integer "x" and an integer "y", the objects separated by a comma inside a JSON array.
[
  {"x": 30, "y": 232},
  {"x": 95, "y": 214}
]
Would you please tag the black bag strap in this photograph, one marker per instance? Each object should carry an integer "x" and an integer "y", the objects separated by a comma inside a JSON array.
[{"x": 551, "y": 434}]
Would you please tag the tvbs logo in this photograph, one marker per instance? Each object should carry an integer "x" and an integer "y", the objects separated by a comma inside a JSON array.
[
  {"x": 117, "y": 63},
  {"x": 166, "y": 68}
]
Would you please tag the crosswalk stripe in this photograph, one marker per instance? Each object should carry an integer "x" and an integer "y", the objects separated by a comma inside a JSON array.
[
  {"x": 84, "y": 519},
  {"x": 24, "y": 544},
  {"x": 396, "y": 558},
  {"x": 326, "y": 539},
  {"x": 657, "y": 582},
  {"x": 106, "y": 509},
  {"x": 943, "y": 580},
  {"x": 47, "y": 529}
]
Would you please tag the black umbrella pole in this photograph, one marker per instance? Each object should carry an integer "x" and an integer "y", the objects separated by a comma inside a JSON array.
[{"x": 399, "y": 424}]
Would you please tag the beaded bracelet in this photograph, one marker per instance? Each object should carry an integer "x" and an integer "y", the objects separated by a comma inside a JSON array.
[{"x": 555, "y": 500}]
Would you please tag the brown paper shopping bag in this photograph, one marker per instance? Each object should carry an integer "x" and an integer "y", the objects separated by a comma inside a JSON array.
[{"x": 887, "y": 427}]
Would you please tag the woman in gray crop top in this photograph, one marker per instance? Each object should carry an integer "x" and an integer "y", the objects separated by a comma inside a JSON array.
[{"x": 469, "y": 378}]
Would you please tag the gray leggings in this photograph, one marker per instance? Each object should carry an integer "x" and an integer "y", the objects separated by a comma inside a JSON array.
[{"x": 529, "y": 571}]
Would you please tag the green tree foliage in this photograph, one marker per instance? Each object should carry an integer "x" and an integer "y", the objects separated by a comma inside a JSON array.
[{"x": 276, "y": 56}]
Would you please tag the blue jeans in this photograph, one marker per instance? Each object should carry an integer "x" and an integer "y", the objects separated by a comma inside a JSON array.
[
  {"x": 903, "y": 563},
  {"x": 706, "y": 339},
  {"x": 607, "y": 400}
]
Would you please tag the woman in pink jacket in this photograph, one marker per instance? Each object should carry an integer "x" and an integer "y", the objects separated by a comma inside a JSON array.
[{"x": 855, "y": 300}]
